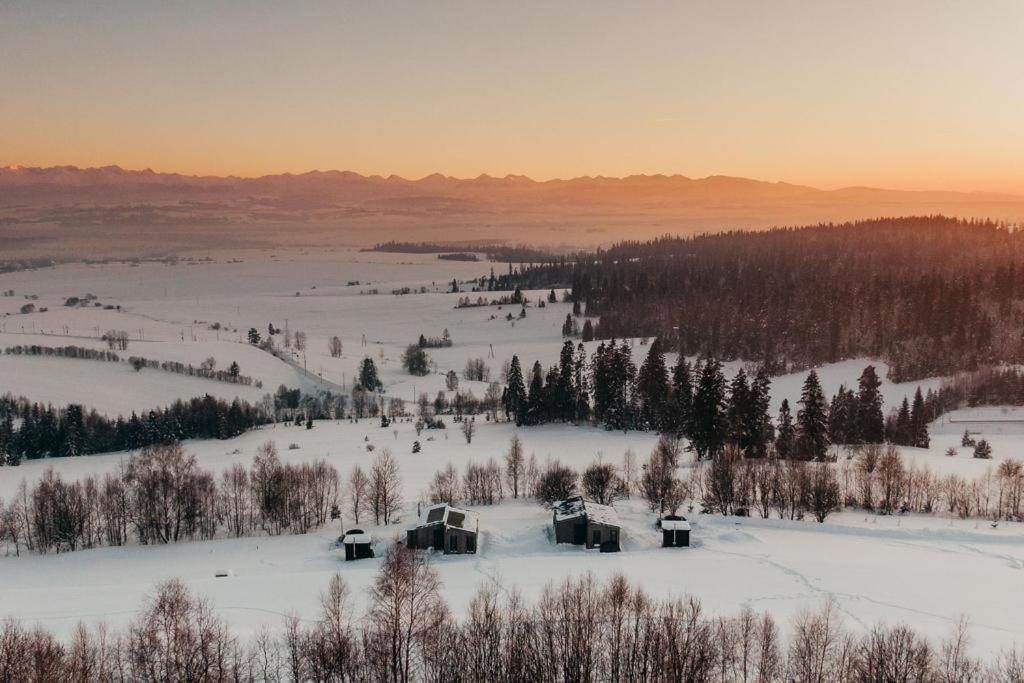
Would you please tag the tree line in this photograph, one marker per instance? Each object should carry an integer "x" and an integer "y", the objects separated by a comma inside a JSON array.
[
  {"x": 576, "y": 630},
  {"x": 44, "y": 431},
  {"x": 697, "y": 402},
  {"x": 929, "y": 295},
  {"x": 163, "y": 496}
]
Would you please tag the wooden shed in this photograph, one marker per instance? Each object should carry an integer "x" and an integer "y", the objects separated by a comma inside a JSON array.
[
  {"x": 675, "y": 532},
  {"x": 584, "y": 522},
  {"x": 358, "y": 545},
  {"x": 445, "y": 528}
]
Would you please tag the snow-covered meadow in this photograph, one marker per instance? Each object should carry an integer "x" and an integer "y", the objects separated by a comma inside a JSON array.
[{"x": 926, "y": 571}]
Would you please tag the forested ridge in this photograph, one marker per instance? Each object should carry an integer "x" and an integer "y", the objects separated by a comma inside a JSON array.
[{"x": 929, "y": 295}]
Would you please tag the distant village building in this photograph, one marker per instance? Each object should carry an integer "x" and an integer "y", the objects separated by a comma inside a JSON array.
[
  {"x": 675, "y": 532},
  {"x": 445, "y": 528},
  {"x": 584, "y": 522},
  {"x": 358, "y": 545}
]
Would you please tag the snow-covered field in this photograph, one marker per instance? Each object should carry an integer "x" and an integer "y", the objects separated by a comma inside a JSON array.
[{"x": 924, "y": 571}]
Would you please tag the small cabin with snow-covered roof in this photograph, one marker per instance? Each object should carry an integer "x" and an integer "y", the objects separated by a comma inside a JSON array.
[
  {"x": 445, "y": 528},
  {"x": 584, "y": 522},
  {"x": 358, "y": 545},
  {"x": 675, "y": 532}
]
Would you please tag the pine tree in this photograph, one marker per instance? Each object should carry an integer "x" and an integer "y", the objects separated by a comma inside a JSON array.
[
  {"x": 842, "y": 417},
  {"x": 812, "y": 421},
  {"x": 621, "y": 374},
  {"x": 563, "y": 398},
  {"x": 919, "y": 422},
  {"x": 653, "y": 390},
  {"x": 871, "y": 423},
  {"x": 535, "y": 400},
  {"x": 567, "y": 326},
  {"x": 785, "y": 440},
  {"x": 588, "y": 331},
  {"x": 514, "y": 398},
  {"x": 739, "y": 412},
  {"x": 901, "y": 430},
  {"x": 762, "y": 433},
  {"x": 682, "y": 397},
  {"x": 581, "y": 392},
  {"x": 601, "y": 381},
  {"x": 368, "y": 378},
  {"x": 708, "y": 424}
]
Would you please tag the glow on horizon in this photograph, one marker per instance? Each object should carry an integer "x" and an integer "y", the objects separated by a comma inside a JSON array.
[{"x": 910, "y": 95}]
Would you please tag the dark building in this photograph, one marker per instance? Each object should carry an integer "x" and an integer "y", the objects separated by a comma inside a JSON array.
[
  {"x": 583, "y": 522},
  {"x": 675, "y": 532},
  {"x": 358, "y": 545},
  {"x": 445, "y": 528}
]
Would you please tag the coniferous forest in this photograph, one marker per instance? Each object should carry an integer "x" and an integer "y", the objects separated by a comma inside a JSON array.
[{"x": 929, "y": 295}]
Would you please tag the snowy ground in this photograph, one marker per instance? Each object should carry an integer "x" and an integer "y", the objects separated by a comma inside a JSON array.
[{"x": 925, "y": 571}]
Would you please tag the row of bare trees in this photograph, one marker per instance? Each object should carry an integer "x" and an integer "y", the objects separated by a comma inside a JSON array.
[
  {"x": 874, "y": 477},
  {"x": 378, "y": 493},
  {"x": 877, "y": 478},
  {"x": 578, "y": 630},
  {"x": 162, "y": 496}
]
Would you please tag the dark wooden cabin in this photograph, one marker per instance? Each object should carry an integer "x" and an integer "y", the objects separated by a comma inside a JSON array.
[
  {"x": 447, "y": 529},
  {"x": 358, "y": 545},
  {"x": 675, "y": 532},
  {"x": 584, "y": 522}
]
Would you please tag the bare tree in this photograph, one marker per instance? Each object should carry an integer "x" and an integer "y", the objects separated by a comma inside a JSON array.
[
  {"x": 358, "y": 492},
  {"x": 600, "y": 483},
  {"x": 557, "y": 482},
  {"x": 405, "y": 609},
  {"x": 822, "y": 491},
  {"x": 469, "y": 429},
  {"x": 628, "y": 473},
  {"x": 178, "y": 638},
  {"x": 476, "y": 370},
  {"x": 659, "y": 482},
  {"x": 300, "y": 340},
  {"x": 445, "y": 486},
  {"x": 385, "y": 488},
  {"x": 514, "y": 464}
]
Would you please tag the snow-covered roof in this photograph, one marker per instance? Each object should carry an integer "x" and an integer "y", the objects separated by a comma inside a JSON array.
[
  {"x": 578, "y": 507},
  {"x": 445, "y": 514},
  {"x": 675, "y": 525},
  {"x": 361, "y": 537}
]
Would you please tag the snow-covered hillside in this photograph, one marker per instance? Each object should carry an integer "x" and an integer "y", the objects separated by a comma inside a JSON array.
[{"x": 922, "y": 570}]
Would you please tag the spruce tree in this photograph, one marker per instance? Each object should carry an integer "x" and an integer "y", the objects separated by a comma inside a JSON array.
[
  {"x": 514, "y": 398},
  {"x": 652, "y": 389},
  {"x": 919, "y": 422},
  {"x": 812, "y": 421},
  {"x": 842, "y": 417},
  {"x": 368, "y": 378},
  {"x": 564, "y": 400},
  {"x": 581, "y": 392},
  {"x": 785, "y": 440},
  {"x": 871, "y": 423},
  {"x": 682, "y": 397},
  {"x": 621, "y": 372},
  {"x": 761, "y": 430},
  {"x": 902, "y": 431},
  {"x": 708, "y": 425},
  {"x": 588, "y": 331},
  {"x": 739, "y": 412},
  {"x": 535, "y": 398}
]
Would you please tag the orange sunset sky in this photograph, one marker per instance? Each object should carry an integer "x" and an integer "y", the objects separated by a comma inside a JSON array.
[{"x": 908, "y": 94}]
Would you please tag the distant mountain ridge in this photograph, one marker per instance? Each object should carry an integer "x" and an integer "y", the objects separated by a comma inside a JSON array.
[
  {"x": 348, "y": 185},
  {"x": 69, "y": 212}
]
